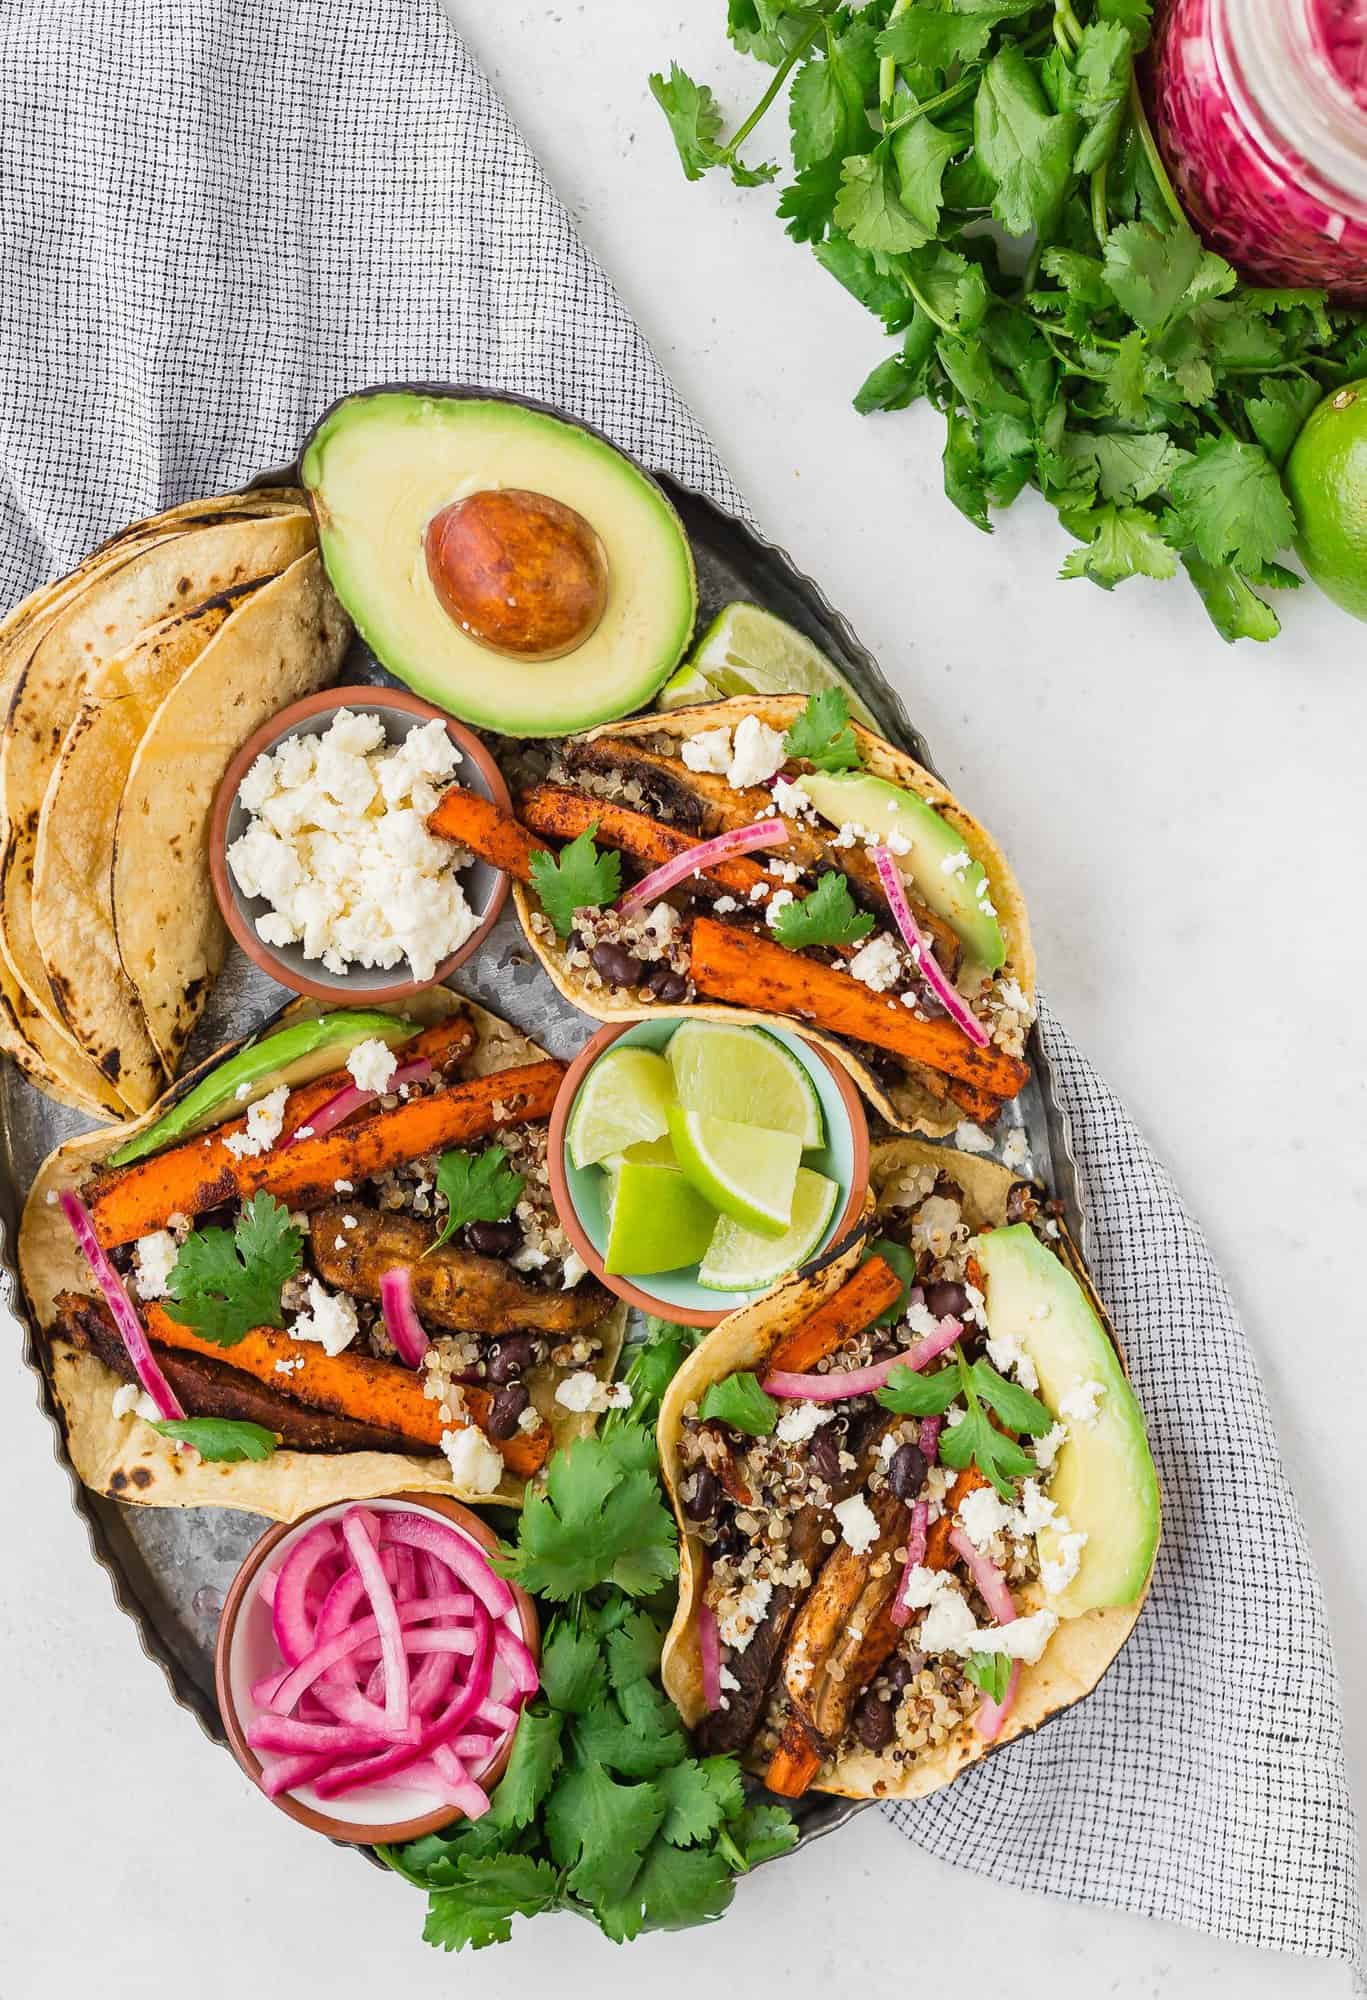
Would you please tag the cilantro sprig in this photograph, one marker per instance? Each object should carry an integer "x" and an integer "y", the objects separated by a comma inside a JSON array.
[
  {"x": 477, "y": 1187},
  {"x": 1107, "y": 359},
  {"x": 991, "y": 1672},
  {"x": 973, "y": 1439},
  {"x": 224, "y": 1282},
  {"x": 580, "y": 878},
  {"x": 826, "y": 917},
  {"x": 821, "y": 735},
  {"x": 220, "y": 1440},
  {"x": 738, "y": 1401}
]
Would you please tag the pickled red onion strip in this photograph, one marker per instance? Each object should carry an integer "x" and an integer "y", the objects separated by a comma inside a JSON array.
[
  {"x": 130, "y": 1328},
  {"x": 707, "y": 854},
  {"x": 944, "y": 989},
  {"x": 402, "y": 1324},
  {"x": 709, "y": 1646},
  {"x": 350, "y": 1099},
  {"x": 991, "y": 1714},
  {"x": 841, "y": 1384},
  {"x": 991, "y": 1584},
  {"x": 436, "y": 1539},
  {"x": 916, "y": 1555}
]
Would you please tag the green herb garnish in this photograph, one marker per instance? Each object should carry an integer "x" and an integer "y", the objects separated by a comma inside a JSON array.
[
  {"x": 226, "y": 1281},
  {"x": 974, "y": 1439},
  {"x": 738, "y": 1401},
  {"x": 821, "y": 735},
  {"x": 220, "y": 1440},
  {"x": 991, "y": 1672},
  {"x": 828, "y": 916},
  {"x": 477, "y": 1187},
  {"x": 580, "y": 878}
]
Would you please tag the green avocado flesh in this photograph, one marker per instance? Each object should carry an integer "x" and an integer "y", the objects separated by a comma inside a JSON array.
[
  {"x": 843, "y": 797},
  {"x": 379, "y": 468},
  {"x": 1104, "y": 1480},
  {"x": 293, "y": 1055}
]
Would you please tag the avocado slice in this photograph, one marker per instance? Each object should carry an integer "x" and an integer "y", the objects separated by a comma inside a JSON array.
[
  {"x": 1104, "y": 1479},
  {"x": 292, "y": 1055},
  {"x": 843, "y": 797},
  {"x": 381, "y": 468}
]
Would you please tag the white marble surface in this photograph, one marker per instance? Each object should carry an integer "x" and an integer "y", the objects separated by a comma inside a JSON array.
[{"x": 1187, "y": 821}]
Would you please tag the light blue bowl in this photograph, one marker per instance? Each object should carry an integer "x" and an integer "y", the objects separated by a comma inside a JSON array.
[{"x": 677, "y": 1294}]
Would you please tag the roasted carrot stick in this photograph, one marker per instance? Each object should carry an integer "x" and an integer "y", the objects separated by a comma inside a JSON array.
[
  {"x": 487, "y": 830},
  {"x": 739, "y": 967},
  {"x": 873, "y": 1288},
  {"x": 383, "y": 1393},
  {"x": 565, "y": 814},
  {"x": 794, "y": 1764},
  {"x": 937, "y": 1554},
  {"x": 200, "y": 1175},
  {"x": 980, "y": 1105}
]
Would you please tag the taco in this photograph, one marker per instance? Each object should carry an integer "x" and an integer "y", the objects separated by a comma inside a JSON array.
[
  {"x": 341, "y": 1233},
  {"x": 878, "y": 1587},
  {"x": 861, "y": 901}
]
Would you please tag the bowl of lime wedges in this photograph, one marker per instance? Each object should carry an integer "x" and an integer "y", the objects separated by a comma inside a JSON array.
[{"x": 695, "y": 1163}]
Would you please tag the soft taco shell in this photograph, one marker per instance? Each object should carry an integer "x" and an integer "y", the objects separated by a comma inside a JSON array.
[
  {"x": 1080, "y": 1650},
  {"x": 284, "y": 641},
  {"x": 124, "y": 1458},
  {"x": 917, "y": 1104}
]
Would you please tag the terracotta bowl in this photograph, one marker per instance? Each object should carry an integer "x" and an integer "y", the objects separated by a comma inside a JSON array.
[
  {"x": 677, "y": 1295},
  {"x": 246, "y": 1651},
  {"x": 486, "y": 888}
]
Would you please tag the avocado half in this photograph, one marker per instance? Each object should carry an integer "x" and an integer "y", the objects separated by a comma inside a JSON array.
[{"x": 382, "y": 464}]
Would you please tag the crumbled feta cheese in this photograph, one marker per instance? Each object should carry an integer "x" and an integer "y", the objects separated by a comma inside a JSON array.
[
  {"x": 955, "y": 864},
  {"x": 709, "y": 750},
  {"x": 1006, "y": 1352},
  {"x": 372, "y": 1064},
  {"x": 801, "y": 1421},
  {"x": 583, "y": 1393},
  {"x": 741, "y": 1611},
  {"x": 727, "y": 1681},
  {"x": 982, "y": 1514},
  {"x": 1036, "y": 1510},
  {"x": 1016, "y": 1151},
  {"x": 858, "y": 1523},
  {"x": 784, "y": 871},
  {"x": 1079, "y": 1405},
  {"x": 1058, "y": 1571},
  {"x": 572, "y": 1271},
  {"x": 757, "y": 756},
  {"x": 778, "y": 901},
  {"x": 337, "y": 844},
  {"x": 129, "y": 1400},
  {"x": 476, "y": 1465},
  {"x": 289, "y": 1366},
  {"x": 724, "y": 905},
  {"x": 970, "y": 1138},
  {"x": 950, "y": 1627},
  {"x": 878, "y": 963},
  {"x": 154, "y": 1259},
  {"x": 1047, "y": 1448},
  {"x": 792, "y": 800},
  {"x": 343, "y": 1187},
  {"x": 265, "y": 1120},
  {"x": 330, "y": 1319}
]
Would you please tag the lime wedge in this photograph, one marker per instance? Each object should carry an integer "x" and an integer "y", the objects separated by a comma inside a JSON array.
[
  {"x": 747, "y": 650},
  {"x": 747, "y": 1075},
  {"x": 738, "y": 1260},
  {"x": 744, "y": 1170},
  {"x": 684, "y": 688},
  {"x": 624, "y": 1098},
  {"x": 656, "y": 1220}
]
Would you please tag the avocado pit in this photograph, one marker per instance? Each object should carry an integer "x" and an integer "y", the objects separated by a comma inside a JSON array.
[{"x": 519, "y": 572}]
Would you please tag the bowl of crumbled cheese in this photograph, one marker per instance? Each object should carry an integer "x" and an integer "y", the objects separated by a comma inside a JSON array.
[{"x": 323, "y": 864}]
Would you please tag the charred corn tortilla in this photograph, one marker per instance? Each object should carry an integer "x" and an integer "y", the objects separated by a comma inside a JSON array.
[
  {"x": 915, "y": 1104},
  {"x": 1080, "y": 1650},
  {"x": 126, "y": 1459}
]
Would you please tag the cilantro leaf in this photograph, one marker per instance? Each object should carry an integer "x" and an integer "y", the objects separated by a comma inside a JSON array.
[
  {"x": 1231, "y": 504},
  {"x": 580, "y": 879},
  {"x": 1097, "y": 89},
  {"x": 532, "y": 1766},
  {"x": 1236, "y": 611},
  {"x": 599, "y": 1519},
  {"x": 220, "y": 1440},
  {"x": 694, "y": 120},
  {"x": 489, "y": 1892},
  {"x": 477, "y": 1187},
  {"x": 760, "y": 1833},
  {"x": 738, "y": 1401},
  {"x": 1017, "y": 1408},
  {"x": 1125, "y": 542},
  {"x": 633, "y": 1650},
  {"x": 910, "y": 1394},
  {"x": 1154, "y": 274},
  {"x": 1126, "y": 465},
  {"x": 826, "y": 916},
  {"x": 869, "y": 205},
  {"x": 989, "y": 1671},
  {"x": 974, "y": 1441},
  {"x": 652, "y": 1364},
  {"x": 965, "y": 483},
  {"x": 921, "y": 151},
  {"x": 638, "y": 1734},
  {"x": 821, "y": 735},
  {"x": 225, "y": 1282},
  {"x": 599, "y": 1830},
  {"x": 925, "y": 40},
  {"x": 698, "y": 1798},
  {"x": 675, "y": 1888},
  {"x": 573, "y": 1676},
  {"x": 826, "y": 111},
  {"x": 1028, "y": 153},
  {"x": 1278, "y": 411},
  {"x": 899, "y": 1259}
]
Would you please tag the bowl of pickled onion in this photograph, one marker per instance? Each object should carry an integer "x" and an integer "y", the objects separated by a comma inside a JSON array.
[{"x": 371, "y": 1667}]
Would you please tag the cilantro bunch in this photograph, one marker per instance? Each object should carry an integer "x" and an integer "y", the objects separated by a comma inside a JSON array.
[
  {"x": 982, "y": 176},
  {"x": 603, "y": 1811}
]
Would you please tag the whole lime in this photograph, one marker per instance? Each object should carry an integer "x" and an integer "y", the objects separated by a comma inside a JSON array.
[{"x": 1326, "y": 477}]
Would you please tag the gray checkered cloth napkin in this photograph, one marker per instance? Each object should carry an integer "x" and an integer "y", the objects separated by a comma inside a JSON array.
[{"x": 216, "y": 216}]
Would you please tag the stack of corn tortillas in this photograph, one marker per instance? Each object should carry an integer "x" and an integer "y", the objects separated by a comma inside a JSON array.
[{"x": 126, "y": 688}]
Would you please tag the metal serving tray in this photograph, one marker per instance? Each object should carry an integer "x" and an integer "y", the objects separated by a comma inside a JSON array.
[{"x": 169, "y": 1568}]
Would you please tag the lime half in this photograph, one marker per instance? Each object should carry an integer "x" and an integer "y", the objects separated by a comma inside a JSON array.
[
  {"x": 747, "y": 1075},
  {"x": 738, "y": 1260},
  {"x": 656, "y": 1220},
  {"x": 624, "y": 1098},
  {"x": 743, "y": 1170},
  {"x": 747, "y": 650},
  {"x": 1326, "y": 477}
]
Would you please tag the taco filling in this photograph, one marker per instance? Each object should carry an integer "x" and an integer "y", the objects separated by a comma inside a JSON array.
[
  {"x": 894, "y": 1509},
  {"x": 366, "y": 1260},
  {"x": 718, "y": 858}
]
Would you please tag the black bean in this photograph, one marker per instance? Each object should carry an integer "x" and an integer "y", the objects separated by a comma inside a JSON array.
[
  {"x": 704, "y": 1495},
  {"x": 824, "y": 1458},
  {"x": 897, "y": 1673},
  {"x": 615, "y": 965},
  {"x": 907, "y": 1471},
  {"x": 494, "y": 1239},
  {"x": 510, "y": 1357},
  {"x": 507, "y": 1406},
  {"x": 946, "y": 1300},
  {"x": 873, "y": 1722},
  {"x": 665, "y": 983}
]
